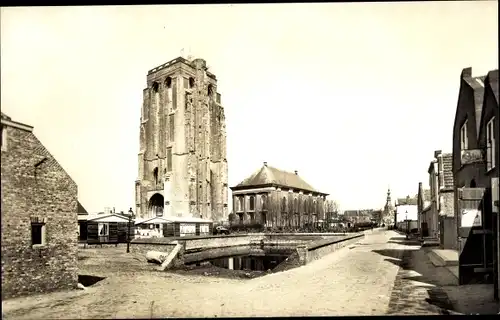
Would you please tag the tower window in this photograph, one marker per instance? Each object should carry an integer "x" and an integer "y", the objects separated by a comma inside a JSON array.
[
  {"x": 210, "y": 90},
  {"x": 155, "y": 87},
  {"x": 191, "y": 82},
  {"x": 171, "y": 127},
  {"x": 169, "y": 159},
  {"x": 155, "y": 175},
  {"x": 168, "y": 82}
]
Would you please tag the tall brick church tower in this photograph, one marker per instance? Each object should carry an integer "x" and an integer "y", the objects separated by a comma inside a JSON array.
[{"x": 182, "y": 157}]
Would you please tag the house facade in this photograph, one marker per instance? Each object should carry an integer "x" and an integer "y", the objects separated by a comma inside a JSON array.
[
  {"x": 39, "y": 216},
  {"x": 488, "y": 139},
  {"x": 276, "y": 198},
  {"x": 182, "y": 158},
  {"x": 442, "y": 198},
  {"x": 425, "y": 215},
  {"x": 357, "y": 217},
  {"x": 475, "y": 165}
]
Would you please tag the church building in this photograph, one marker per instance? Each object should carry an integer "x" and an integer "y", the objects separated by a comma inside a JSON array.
[
  {"x": 182, "y": 156},
  {"x": 276, "y": 198}
]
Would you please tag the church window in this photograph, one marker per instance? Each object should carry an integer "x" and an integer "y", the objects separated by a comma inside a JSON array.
[
  {"x": 239, "y": 204},
  {"x": 191, "y": 82},
  {"x": 210, "y": 90},
  {"x": 251, "y": 203},
  {"x": 263, "y": 200}
]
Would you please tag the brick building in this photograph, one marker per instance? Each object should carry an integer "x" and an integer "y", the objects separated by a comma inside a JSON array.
[
  {"x": 182, "y": 158},
  {"x": 39, "y": 216},
  {"x": 277, "y": 198},
  {"x": 442, "y": 197},
  {"x": 475, "y": 164},
  {"x": 425, "y": 214},
  {"x": 356, "y": 217}
]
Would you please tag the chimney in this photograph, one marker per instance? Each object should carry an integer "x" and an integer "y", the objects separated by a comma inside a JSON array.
[
  {"x": 296, "y": 172},
  {"x": 265, "y": 164},
  {"x": 466, "y": 73}
]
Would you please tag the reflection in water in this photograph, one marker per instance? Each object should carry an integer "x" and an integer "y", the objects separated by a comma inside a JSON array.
[{"x": 250, "y": 262}]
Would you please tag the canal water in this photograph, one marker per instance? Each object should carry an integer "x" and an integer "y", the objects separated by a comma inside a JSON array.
[{"x": 250, "y": 262}]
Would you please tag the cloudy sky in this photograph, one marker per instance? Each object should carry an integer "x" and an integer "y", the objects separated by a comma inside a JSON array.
[{"x": 354, "y": 96}]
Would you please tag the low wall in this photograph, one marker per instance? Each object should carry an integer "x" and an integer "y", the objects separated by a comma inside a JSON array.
[
  {"x": 212, "y": 242},
  {"x": 202, "y": 248},
  {"x": 143, "y": 245},
  {"x": 321, "y": 248},
  {"x": 98, "y": 245}
]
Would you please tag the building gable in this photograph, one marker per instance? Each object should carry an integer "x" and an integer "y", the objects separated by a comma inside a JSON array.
[
  {"x": 469, "y": 106},
  {"x": 490, "y": 100}
]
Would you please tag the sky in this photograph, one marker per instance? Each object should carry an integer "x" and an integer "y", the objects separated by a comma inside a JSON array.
[{"x": 355, "y": 96}]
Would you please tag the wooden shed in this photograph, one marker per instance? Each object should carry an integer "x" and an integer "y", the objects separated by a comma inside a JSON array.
[
  {"x": 176, "y": 226},
  {"x": 109, "y": 228}
]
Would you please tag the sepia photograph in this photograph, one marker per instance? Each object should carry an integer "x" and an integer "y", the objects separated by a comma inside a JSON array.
[{"x": 250, "y": 160}]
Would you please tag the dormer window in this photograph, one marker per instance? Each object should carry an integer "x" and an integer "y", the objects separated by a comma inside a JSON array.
[{"x": 464, "y": 141}]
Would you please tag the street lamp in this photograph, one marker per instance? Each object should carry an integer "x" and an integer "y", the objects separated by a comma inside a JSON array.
[{"x": 130, "y": 216}]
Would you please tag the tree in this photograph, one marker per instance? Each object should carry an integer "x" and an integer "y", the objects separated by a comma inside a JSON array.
[{"x": 331, "y": 208}]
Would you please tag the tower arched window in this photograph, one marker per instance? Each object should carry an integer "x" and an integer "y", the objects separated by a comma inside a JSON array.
[
  {"x": 168, "y": 82},
  {"x": 155, "y": 86},
  {"x": 251, "y": 203},
  {"x": 191, "y": 82},
  {"x": 210, "y": 90}
]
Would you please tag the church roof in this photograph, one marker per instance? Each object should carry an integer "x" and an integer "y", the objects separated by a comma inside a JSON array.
[{"x": 267, "y": 175}]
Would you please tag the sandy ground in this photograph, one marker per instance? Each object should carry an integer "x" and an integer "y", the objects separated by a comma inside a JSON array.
[{"x": 355, "y": 280}]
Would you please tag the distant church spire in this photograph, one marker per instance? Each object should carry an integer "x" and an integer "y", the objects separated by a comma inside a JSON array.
[{"x": 388, "y": 200}]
